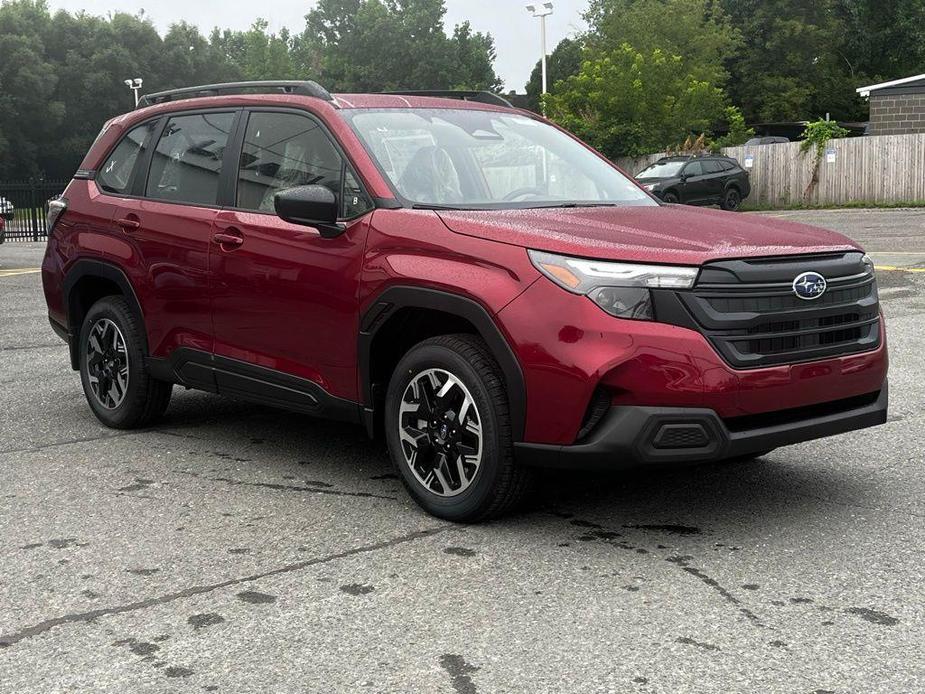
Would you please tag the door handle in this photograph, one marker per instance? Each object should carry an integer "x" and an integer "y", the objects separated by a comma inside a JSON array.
[
  {"x": 128, "y": 224},
  {"x": 227, "y": 239}
]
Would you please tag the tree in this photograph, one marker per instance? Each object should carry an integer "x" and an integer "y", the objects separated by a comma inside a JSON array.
[
  {"x": 697, "y": 31},
  {"x": 563, "y": 62},
  {"x": 795, "y": 66},
  {"x": 626, "y": 102}
]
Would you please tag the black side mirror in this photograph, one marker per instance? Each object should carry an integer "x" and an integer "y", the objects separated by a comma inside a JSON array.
[{"x": 314, "y": 206}]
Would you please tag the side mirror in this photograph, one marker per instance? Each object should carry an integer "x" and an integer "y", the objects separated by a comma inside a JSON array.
[{"x": 314, "y": 206}]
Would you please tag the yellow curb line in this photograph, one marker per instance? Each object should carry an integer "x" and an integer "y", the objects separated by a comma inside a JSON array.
[
  {"x": 893, "y": 268},
  {"x": 13, "y": 273}
]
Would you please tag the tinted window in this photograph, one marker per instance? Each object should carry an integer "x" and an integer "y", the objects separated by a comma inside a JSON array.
[
  {"x": 711, "y": 166},
  {"x": 661, "y": 169},
  {"x": 285, "y": 150},
  {"x": 188, "y": 159},
  {"x": 116, "y": 174},
  {"x": 693, "y": 169}
]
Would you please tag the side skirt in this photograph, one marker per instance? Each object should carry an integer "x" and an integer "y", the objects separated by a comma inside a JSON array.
[{"x": 204, "y": 371}]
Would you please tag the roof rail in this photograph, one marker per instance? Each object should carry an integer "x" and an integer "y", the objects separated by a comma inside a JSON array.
[
  {"x": 480, "y": 97},
  {"x": 303, "y": 87}
]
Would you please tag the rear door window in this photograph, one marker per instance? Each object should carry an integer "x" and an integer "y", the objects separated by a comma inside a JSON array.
[
  {"x": 711, "y": 167},
  {"x": 187, "y": 162},
  {"x": 116, "y": 174}
]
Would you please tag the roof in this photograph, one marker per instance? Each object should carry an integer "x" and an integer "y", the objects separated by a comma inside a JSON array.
[
  {"x": 905, "y": 81},
  {"x": 411, "y": 101}
]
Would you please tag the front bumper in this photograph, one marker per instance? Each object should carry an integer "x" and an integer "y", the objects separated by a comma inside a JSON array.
[{"x": 631, "y": 436}]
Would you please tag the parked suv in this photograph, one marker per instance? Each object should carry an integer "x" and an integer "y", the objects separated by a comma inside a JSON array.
[
  {"x": 459, "y": 276},
  {"x": 697, "y": 181}
]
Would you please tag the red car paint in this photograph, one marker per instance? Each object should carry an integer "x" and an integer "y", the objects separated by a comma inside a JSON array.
[{"x": 292, "y": 301}]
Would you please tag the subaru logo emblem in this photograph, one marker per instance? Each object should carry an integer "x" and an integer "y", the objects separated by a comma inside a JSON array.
[{"x": 809, "y": 285}]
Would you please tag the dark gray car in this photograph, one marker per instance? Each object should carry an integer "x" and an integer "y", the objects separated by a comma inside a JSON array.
[{"x": 705, "y": 180}]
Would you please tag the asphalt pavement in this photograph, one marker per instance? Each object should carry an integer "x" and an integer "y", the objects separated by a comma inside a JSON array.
[{"x": 236, "y": 548}]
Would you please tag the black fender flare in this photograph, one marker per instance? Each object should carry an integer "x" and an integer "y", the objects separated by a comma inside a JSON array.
[
  {"x": 104, "y": 270},
  {"x": 398, "y": 297}
]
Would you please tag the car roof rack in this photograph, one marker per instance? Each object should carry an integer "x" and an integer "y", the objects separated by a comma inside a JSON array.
[
  {"x": 303, "y": 87},
  {"x": 481, "y": 97}
]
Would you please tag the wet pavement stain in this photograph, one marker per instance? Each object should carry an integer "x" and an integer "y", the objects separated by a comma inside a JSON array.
[
  {"x": 33, "y": 545},
  {"x": 175, "y": 671},
  {"x": 692, "y": 642},
  {"x": 357, "y": 589},
  {"x": 873, "y": 616},
  {"x": 239, "y": 550},
  {"x": 459, "y": 671},
  {"x": 137, "y": 486},
  {"x": 386, "y": 476},
  {"x": 800, "y": 601},
  {"x": 66, "y": 542},
  {"x": 139, "y": 648},
  {"x": 460, "y": 551},
  {"x": 255, "y": 598},
  {"x": 640, "y": 680},
  {"x": 89, "y": 594},
  {"x": 671, "y": 529},
  {"x": 142, "y": 572},
  {"x": 750, "y": 586},
  {"x": 777, "y": 644},
  {"x": 201, "y": 621}
]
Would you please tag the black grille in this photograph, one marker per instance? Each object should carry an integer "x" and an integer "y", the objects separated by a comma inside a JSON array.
[
  {"x": 681, "y": 436},
  {"x": 749, "y": 311}
]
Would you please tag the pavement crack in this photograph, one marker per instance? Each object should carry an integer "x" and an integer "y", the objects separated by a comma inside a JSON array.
[
  {"x": 41, "y": 627},
  {"x": 68, "y": 442},
  {"x": 289, "y": 487},
  {"x": 716, "y": 586}
]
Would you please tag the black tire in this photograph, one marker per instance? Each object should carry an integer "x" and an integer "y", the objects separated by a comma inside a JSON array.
[
  {"x": 144, "y": 399},
  {"x": 671, "y": 197},
  {"x": 732, "y": 200},
  {"x": 499, "y": 484}
]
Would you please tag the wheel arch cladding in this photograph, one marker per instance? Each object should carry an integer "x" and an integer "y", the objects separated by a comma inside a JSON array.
[
  {"x": 87, "y": 282},
  {"x": 397, "y": 303}
]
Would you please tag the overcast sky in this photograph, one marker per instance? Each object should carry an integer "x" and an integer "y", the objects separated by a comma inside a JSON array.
[{"x": 517, "y": 35}]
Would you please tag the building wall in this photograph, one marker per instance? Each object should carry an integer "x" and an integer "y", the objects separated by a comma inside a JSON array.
[{"x": 897, "y": 114}]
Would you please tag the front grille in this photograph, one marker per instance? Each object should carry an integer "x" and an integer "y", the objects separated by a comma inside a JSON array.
[{"x": 749, "y": 312}]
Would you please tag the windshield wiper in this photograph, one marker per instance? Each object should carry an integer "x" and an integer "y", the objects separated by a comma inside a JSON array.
[
  {"x": 429, "y": 206},
  {"x": 577, "y": 204}
]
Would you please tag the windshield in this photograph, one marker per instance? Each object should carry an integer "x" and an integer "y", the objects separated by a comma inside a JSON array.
[
  {"x": 469, "y": 159},
  {"x": 664, "y": 169}
]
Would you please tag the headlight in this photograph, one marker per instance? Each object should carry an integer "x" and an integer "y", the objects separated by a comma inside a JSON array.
[
  {"x": 621, "y": 289},
  {"x": 868, "y": 264},
  {"x": 649, "y": 186}
]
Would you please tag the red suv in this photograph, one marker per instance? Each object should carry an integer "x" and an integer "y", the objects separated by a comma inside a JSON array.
[{"x": 461, "y": 276}]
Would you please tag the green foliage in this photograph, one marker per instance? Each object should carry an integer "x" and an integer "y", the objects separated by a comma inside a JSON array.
[
  {"x": 739, "y": 133},
  {"x": 626, "y": 102},
  {"x": 70, "y": 67},
  {"x": 818, "y": 133},
  {"x": 562, "y": 63}
]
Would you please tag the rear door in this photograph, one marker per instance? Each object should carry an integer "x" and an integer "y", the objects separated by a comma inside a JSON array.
[
  {"x": 714, "y": 180},
  {"x": 167, "y": 227},
  {"x": 284, "y": 298}
]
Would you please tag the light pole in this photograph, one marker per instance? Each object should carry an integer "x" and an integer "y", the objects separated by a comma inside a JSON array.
[
  {"x": 134, "y": 85},
  {"x": 542, "y": 11}
]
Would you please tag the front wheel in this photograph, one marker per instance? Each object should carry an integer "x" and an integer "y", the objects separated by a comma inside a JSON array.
[
  {"x": 115, "y": 380},
  {"x": 449, "y": 432},
  {"x": 671, "y": 198}
]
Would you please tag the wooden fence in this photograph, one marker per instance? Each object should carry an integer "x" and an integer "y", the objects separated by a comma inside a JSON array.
[{"x": 882, "y": 169}]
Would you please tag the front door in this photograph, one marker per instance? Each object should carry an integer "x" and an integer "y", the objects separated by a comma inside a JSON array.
[{"x": 284, "y": 299}]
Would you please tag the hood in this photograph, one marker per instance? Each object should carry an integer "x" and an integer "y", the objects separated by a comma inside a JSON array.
[{"x": 664, "y": 234}]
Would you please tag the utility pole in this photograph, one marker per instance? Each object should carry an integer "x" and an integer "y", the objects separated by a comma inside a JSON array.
[{"x": 542, "y": 11}]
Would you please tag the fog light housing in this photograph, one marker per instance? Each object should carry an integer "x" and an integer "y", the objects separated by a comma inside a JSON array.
[{"x": 624, "y": 302}]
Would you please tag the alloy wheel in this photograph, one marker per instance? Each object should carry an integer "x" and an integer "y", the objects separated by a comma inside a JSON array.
[
  {"x": 440, "y": 431},
  {"x": 107, "y": 363}
]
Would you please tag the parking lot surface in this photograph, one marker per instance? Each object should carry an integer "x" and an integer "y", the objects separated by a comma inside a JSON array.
[{"x": 235, "y": 548}]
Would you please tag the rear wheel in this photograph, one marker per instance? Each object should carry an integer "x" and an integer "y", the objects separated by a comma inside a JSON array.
[
  {"x": 449, "y": 433},
  {"x": 116, "y": 383},
  {"x": 732, "y": 200}
]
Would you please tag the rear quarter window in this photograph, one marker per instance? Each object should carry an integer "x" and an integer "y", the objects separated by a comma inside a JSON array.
[{"x": 115, "y": 176}]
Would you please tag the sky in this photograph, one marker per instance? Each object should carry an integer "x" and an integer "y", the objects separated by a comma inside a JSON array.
[{"x": 516, "y": 33}]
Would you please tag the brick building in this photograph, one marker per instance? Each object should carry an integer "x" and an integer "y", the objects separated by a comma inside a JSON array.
[{"x": 897, "y": 107}]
